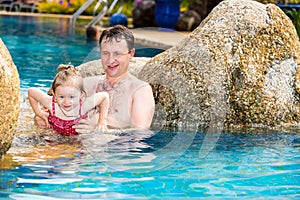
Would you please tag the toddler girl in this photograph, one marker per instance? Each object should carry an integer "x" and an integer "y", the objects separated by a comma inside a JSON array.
[{"x": 67, "y": 102}]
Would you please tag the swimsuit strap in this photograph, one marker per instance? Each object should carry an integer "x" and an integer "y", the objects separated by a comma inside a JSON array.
[
  {"x": 80, "y": 101},
  {"x": 53, "y": 106}
]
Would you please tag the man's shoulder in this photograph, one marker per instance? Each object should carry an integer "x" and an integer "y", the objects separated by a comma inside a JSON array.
[
  {"x": 134, "y": 80},
  {"x": 136, "y": 83}
]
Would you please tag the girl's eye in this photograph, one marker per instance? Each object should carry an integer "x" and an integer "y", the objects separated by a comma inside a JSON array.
[
  {"x": 72, "y": 97},
  {"x": 61, "y": 97}
]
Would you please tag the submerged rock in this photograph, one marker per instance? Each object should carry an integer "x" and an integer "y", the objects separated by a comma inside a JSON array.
[
  {"x": 9, "y": 101},
  {"x": 237, "y": 68}
]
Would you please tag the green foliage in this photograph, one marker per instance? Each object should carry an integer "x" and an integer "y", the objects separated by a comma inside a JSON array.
[
  {"x": 294, "y": 1},
  {"x": 295, "y": 16},
  {"x": 127, "y": 8},
  {"x": 279, "y": 1},
  {"x": 185, "y": 4},
  {"x": 53, "y": 7},
  {"x": 64, "y": 7},
  {"x": 70, "y": 6}
]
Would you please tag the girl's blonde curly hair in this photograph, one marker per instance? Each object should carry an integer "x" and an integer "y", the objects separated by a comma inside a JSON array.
[{"x": 67, "y": 75}]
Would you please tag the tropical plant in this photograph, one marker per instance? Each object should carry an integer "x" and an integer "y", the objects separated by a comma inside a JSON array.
[
  {"x": 70, "y": 6},
  {"x": 279, "y": 1},
  {"x": 64, "y": 7}
]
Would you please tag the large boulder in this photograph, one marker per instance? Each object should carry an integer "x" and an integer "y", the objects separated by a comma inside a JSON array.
[
  {"x": 239, "y": 67},
  {"x": 9, "y": 101}
]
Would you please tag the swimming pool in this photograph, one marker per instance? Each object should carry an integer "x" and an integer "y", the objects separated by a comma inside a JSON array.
[
  {"x": 39, "y": 44},
  {"x": 248, "y": 164}
]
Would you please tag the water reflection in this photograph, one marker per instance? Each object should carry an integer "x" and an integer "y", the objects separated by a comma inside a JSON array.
[
  {"x": 39, "y": 44},
  {"x": 35, "y": 145},
  {"x": 126, "y": 165}
]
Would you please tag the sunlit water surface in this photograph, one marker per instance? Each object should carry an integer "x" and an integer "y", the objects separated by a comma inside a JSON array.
[{"x": 130, "y": 165}]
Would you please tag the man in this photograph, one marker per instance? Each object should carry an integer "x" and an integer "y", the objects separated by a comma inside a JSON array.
[
  {"x": 92, "y": 33},
  {"x": 131, "y": 100}
]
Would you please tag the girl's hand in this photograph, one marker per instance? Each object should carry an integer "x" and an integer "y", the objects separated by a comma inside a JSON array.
[
  {"x": 41, "y": 120},
  {"x": 45, "y": 118}
]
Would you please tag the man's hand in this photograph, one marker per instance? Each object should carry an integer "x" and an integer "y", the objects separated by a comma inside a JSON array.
[
  {"x": 101, "y": 128},
  {"x": 85, "y": 126}
]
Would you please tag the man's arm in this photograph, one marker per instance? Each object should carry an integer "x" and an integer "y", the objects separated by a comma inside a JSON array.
[
  {"x": 90, "y": 86},
  {"x": 142, "y": 109}
]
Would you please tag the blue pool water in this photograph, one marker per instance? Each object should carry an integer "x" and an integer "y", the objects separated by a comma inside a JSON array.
[
  {"x": 249, "y": 164},
  {"x": 38, "y": 45}
]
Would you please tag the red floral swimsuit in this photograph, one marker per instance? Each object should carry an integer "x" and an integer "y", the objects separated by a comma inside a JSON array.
[{"x": 64, "y": 126}]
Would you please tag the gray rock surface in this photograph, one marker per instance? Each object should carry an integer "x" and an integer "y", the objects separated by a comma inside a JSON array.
[{"x": 238, "y": 68}]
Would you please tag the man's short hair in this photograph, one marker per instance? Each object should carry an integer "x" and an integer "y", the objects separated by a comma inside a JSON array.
[{"x": 118, "y": 32}]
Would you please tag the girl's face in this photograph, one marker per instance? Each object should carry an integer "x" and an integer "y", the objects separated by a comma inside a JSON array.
[{"x": 67, "y": 97}]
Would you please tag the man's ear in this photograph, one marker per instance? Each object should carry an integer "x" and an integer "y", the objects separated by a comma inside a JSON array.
[{"x": 132, "y": 52}]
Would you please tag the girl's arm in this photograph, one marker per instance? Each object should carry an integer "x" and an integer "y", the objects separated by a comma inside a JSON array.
[
  {"x": 100, "y": 99},
  {"x": 37, "y": 97},
  {"x": 104, "y": 104}
]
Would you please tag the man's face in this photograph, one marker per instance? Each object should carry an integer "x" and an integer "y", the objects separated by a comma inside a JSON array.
[{"x": 115, "y": 57}]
